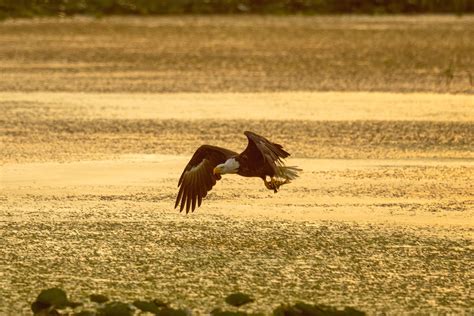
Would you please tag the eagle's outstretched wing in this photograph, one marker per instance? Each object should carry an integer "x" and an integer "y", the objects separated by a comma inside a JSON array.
[
  {"x": 259, "y": 145},
  {"x": 198, "y": 178},
  {"x": 261, "y": 150}
]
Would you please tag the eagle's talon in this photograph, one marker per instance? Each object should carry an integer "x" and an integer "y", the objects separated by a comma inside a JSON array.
[
  {"x": 276, "y": 185},
  {"x": 273, "y": 184},
  {"x": 268, "y": 185}
]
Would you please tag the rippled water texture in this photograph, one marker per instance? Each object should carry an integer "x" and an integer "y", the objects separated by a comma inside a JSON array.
[{"x": 381, "y": 218}]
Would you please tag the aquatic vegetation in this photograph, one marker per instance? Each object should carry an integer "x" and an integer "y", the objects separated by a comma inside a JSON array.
[
  {"x": 304, "y": 309},
  {"x": 238, "y": 299},
  {"x": 50, "y": 300},
  {"x": 219, "y": 312},
  {"x": 98, "y": 298},
  {"x": 115, "y": 309}
]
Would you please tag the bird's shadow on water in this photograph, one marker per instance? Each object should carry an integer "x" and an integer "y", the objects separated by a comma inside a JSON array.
[{"x": 54, "y": 301}]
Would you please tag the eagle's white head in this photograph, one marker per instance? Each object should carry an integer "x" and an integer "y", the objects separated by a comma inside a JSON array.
[{"x": 230, "y": 166}]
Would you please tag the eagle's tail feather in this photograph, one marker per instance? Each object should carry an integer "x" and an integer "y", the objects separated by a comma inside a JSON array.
[{"x": 288, "y": 172}]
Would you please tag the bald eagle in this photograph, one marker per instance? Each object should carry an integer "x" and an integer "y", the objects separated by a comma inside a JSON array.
[{"x": 261, "y": 158}]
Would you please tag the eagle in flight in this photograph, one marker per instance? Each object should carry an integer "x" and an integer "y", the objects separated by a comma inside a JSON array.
[{"x": 261, "y": 158}]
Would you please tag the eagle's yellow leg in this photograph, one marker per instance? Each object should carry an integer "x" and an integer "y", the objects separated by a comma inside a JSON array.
[
  {"x": 275, "y": 184},
  {"x": 269, "y": 184}
]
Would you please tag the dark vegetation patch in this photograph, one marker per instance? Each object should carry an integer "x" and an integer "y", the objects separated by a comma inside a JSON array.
[
  {"x": 51, "y": 300},
  {"x": 14, "y": 8},
  {"x": 304, "y": 309},
  {"x": 238, "y": 299}
]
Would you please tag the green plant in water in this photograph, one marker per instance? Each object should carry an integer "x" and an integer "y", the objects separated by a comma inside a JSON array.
[{"x": 238, "y": 299}]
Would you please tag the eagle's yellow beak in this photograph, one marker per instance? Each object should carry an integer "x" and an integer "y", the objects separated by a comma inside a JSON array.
[{"x": 217, "y": 170}]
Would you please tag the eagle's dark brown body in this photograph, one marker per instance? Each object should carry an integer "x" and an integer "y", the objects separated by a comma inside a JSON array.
[{"x": 261, "y": 158}]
